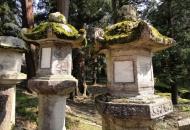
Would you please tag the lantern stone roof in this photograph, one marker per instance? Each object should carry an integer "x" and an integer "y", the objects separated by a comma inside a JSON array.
[
  {"x": 10, "y": 42},
  {"x": 56, "y": 28},
  {"x": 133, "y": 32}
]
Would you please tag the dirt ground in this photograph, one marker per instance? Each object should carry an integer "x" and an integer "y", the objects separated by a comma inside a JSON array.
[{"x": 81, "y": 113}]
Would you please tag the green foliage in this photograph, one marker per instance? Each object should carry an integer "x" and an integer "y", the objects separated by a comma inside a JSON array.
[
  {"x": 26, "y": 106},
  {"x": 8, "y": 21},
  {"x": 172, "y": 19},
  {"x": 87, "y": 12}
]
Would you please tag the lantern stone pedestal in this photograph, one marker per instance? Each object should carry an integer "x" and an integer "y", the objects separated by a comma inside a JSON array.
[
  {"x": 11, "y": 50},
  {"x": 52, "y": 100},
  {"x": 54, "y": 81},
  {"x": 129, "y": 46}
]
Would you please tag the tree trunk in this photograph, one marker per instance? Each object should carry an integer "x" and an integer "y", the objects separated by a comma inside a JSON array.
[
  {"x": 63, "y": 7},
  {"x": 28, "y": 21},
  {"x": 114, "y": 9},
  {"x": 78, "y": 60},
  {"x": 174, "y": 91},
  {"x": 27, "y": 11},
  {"x": 79, "y": 70}
]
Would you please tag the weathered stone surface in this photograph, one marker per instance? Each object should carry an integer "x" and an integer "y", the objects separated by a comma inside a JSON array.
[
  {"x": 7, "y": 107},
  {"x": 134, "y": 108},
  {"x": 54, "y": 85},
  {"x": 135, "y": 79},
  {"x": 12, "y": 43},
  {"x": 11, "y": 49},
  {"x": 52, "y": 112},
  {"x": 58, "y": 61},
  {"x": 184, "y": 124},
  {"x": 10, "y": 66},
  {"x": 57, "y": 17}
]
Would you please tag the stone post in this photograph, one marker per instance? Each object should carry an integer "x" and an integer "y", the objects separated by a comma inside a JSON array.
[
  {"x": 11, "y": 50},
  {"x": 54, "y": 80},
  {"x": 131, "y": 103}
]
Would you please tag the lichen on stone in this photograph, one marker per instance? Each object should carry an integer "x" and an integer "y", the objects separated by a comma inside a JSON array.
[
  {"x": 159, "y": 37},
  {"x": 57, "y": 23},
  {"x": 57, "y": 17},
  {"x": 122, "y": 32},
  {"x": 10, "y": 42},
  {"x": 64, "y": 30},
  {"x": 132, "y": 30},
  {"x": 38, "y": 32}
]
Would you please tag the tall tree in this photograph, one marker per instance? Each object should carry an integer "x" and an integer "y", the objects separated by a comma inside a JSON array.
[
  {"x": 63, "y": 7},
  {"x": 8, "y": 19},
  {"x": 28, "y": 21},
  {"x": 171, "y": 17}
]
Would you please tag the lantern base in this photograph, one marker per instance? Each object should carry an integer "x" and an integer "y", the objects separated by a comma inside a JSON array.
[
  {"x": 53, "y": 85},
  {"x": 139, "y": 107},
  {"x": 140, "y": 112}
]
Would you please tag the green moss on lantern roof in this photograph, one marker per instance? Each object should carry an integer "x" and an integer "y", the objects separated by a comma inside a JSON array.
[
  {"x": 122, "y": 32},
  {"x": 63, "y": 31},
  {"x": 56, "y": 26},
  {"x": 129, "y": 31},
  {"x": 38, "y": 32}
]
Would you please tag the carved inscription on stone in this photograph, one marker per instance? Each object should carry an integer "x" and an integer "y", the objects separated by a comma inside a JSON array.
[
  {"x": 60, "y": 67},
  {"x": 61, "y": 52},
  {"x": 161, "y": 109},
  {"x": 61, "y": 60}
]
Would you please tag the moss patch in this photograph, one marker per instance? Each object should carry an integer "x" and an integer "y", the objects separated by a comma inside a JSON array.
[
  {"x": 159, "y": 37},
  {"x": 38, "y": 32},
  {"x": 63, "y": 31},
  {"x": 129, "y": 31},
  {"x": 122, "y": 32}
]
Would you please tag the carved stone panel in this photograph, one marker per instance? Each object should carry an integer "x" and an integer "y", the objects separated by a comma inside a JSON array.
[
  {"x": 61, "y": 60},
  {"x": 123, "y": 71},
  {"x": 60, "y": 67}
]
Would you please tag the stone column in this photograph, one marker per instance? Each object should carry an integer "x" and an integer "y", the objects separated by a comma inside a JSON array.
[
  {"x": 52, "y": 112},
  {"x": 53, "y": 85},
  {"x": 7, "y": 107},
  {"x": 11, "y": 50}
]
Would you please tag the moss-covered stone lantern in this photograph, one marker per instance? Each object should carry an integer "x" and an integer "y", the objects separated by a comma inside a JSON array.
[
  {"x": 54, "y": 81},
  {"x": 129, "y": 46},
  {"x": 11, "y": 50}
]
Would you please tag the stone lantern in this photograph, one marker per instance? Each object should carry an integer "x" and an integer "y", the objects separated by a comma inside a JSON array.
[
  {"x": 11, "y": 50},
  {"x": 129, "y": 46},
  {"x": 54, "y": 81}
]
